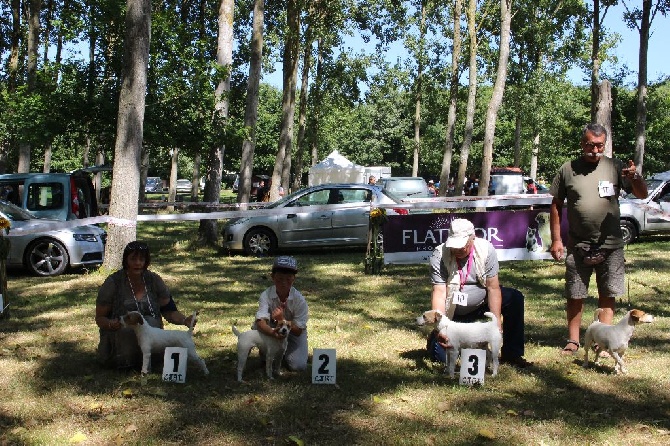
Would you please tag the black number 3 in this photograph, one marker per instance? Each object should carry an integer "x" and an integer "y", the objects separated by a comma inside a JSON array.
[
  {"x": 474, "y": 361},
  {"x": 323, "y": 370}
]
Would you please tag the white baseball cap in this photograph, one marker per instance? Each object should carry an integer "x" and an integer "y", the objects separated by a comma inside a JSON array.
[{"x": 460, "y": 232}]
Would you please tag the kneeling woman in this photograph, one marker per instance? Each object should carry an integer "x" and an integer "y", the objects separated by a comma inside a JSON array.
[{"x": 133, "y": 288}]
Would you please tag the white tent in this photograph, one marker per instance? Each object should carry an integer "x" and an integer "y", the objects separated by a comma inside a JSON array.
[{"x": 336, "y": 169}]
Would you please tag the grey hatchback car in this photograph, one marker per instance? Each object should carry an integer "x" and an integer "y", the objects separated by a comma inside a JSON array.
[
  {"x": 323, "y": 215},
  {"x": 46, "y": 252}
]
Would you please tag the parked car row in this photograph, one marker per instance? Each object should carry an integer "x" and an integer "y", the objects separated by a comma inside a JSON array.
[{"x": 325, "y": 215}]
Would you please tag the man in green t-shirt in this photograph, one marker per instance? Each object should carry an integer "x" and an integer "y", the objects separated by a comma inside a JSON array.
[{"x": 591, "y": 186}]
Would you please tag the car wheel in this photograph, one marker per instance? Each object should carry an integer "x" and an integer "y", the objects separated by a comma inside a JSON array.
[
  {"x": 46, "y": 257},
  {"x": 259, "y": 242},
  {"x": 629, "y": 231}
]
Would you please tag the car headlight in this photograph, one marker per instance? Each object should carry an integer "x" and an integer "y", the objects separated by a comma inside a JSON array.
[{"x": 85, "y": 237}]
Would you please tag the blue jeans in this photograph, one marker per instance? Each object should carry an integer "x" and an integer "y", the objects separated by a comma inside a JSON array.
[{"x": 512, "y": 322}]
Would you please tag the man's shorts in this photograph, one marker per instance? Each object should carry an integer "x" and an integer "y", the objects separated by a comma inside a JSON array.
[{"x": 609, "y": 275}]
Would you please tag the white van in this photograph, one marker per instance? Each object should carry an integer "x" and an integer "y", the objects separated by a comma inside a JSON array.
[{"x": 506, "y": 181}]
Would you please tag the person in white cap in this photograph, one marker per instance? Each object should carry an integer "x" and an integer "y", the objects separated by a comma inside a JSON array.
[
  {"x": 464, "y": 274},
  {"x": 283, "y": 302}
]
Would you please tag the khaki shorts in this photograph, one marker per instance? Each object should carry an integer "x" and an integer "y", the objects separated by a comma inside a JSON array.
[{"x": 609, "y": 275}]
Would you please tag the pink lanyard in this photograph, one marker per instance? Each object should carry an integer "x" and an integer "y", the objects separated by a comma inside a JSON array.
[{"x": 464, "y": 274}]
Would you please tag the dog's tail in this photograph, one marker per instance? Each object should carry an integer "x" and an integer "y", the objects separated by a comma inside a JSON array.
[
  {"x": 596, "y": 314},
  {"x": 236, "y": 331},
  {"x": 491, "y": 316}
]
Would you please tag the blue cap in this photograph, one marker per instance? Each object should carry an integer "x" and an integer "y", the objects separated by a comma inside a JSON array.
[{"x": 285, "y": 263}]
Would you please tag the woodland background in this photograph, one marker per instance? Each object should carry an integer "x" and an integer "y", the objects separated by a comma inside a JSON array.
[{"x": 174, "y": 89}]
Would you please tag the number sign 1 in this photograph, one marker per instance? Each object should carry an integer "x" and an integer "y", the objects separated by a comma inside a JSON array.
[
  {"x": 473, "y": 366},
  {"x": 324, "y": 366},
  {"x": 174, "y": 364}
]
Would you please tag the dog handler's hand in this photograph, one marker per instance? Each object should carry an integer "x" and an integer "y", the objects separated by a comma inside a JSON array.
[
  {"x": 443, "y": 340},
  {"x": 557, "y": 250},
  {"x": 278, "y": 314}
]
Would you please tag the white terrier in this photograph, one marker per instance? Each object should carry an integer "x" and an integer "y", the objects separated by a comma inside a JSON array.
[{"x": 272, "y": 349}]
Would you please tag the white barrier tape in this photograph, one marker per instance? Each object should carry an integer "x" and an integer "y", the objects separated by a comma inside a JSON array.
[{"x": 243, "y": 211}]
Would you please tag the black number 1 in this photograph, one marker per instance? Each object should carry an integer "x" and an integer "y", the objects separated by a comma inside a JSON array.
[
  {"x": 474, "y": 360},
  {"x": 323, "y": 369},
  {"x": 175, "y": 360}
]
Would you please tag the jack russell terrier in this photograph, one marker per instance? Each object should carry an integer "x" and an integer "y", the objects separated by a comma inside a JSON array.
[
  {"x": 466, "y": 335},
  {"x": 272, "y": 349},
  {"x": 613, "y": 338},
  {"x": 153, "y": 339}
]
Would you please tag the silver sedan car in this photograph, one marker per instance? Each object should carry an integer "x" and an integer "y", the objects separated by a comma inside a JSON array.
[
  {"x": 50, "y": 252},
  {"x": 323, "y": 215}
]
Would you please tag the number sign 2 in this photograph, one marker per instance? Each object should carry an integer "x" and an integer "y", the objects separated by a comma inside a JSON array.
[
  {"x": 324, "y": 366},
  {"x": 473, "y": 366},
  {"x": 174, "y": 364}
]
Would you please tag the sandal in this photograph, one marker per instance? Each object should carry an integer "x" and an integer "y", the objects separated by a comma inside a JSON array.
[{"x": 568, "y": 350}]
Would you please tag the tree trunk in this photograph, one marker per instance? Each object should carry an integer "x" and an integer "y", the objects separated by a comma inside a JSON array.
[
  {"x": 472, "y": 96},
  {"x": 172, "y": 182},
  {"x": 208, "y": 230},
  {"x": 195, "y": 180},
  {"x": 129, "y": 131},
  {"x": 302, "y": 113},
  {"x": 13, "y": 64},
  {"x": 641, "y": 118},
  {"x": 316, "y": 109},
  {"x": 604, "y": 112},
  {"x": 417, "y": 92},
  {"x": 48, "y": 150},
  {"x": 445, "y": 173},
  {"x": 595, "y": 60},
  {"x": 535, "y": 151},
  {"x": 282, "y": 169},
  {"x": 145, "y": 160},
  {"x": 32, "y": 50},
  {"x": 251, "y": 109},
  {"x": 496, "y": 97}
]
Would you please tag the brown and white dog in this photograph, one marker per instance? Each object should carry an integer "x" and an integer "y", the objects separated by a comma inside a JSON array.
[
  {"x": 153, "y": 339},
  {"x": 272, "y": 349},
  {"x": 613, "y": 338}
]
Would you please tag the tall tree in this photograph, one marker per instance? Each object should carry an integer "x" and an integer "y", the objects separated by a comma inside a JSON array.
[
  {"x": 472, "y": 96},
  {"x": 497, "y": 95},
  {"x": 251, "y": 109},
  {"x": 642, "y": 20},
  {"x": 291, "y": 55},
  {"x": 418, "y": 88},
  {"x": 224, "y": 60},
  {"x": 445, "y": 173},
  {"x": 130, "y": 130}
]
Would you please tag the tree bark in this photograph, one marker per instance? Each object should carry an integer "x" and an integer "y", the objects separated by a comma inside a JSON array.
[
  {"x": 129, "y": 131},
  {"x": 445, "y": 173},
  {"x": 641, "y": 118},
  {"x": 496, "y": 97},
  {"x": 595, "y": 60},
  {"x": 302, "y": 113},
  {"x": 472, "y": 96},
  {"x": 282, "y": 169},
  {"x": 604, "y": 112},
  {"x": 251, "y": 109},
  {"x": 417, "y": 92},
  {"x": 208, "y": 230}
]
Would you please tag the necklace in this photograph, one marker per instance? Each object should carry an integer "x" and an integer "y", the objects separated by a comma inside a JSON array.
[{"x": 146, "y": 294}]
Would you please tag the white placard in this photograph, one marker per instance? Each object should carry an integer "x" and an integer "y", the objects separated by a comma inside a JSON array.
[
  {"x": 473, "y": 366},
  {"x": 174, "y": 364},
  {"x": 324, "y": 366}
]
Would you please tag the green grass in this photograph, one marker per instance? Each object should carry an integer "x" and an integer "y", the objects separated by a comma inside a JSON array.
[{"x": 52, "y": 391}]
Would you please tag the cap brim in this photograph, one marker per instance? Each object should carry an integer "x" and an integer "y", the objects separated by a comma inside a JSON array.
[{"x": 457, "y": 242}]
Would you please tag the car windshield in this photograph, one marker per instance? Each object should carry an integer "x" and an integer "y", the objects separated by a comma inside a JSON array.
[
  {"x": 652, "y": 184},
  {"x": 15, "y": 213}
]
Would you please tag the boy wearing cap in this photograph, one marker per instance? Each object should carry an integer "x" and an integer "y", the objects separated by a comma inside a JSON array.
[
  {"x": 464, "y": 274},
  {"x": 283, "y": 302}
]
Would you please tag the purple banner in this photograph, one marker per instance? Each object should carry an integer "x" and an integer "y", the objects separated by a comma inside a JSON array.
[{"x": 516, "y": 235}]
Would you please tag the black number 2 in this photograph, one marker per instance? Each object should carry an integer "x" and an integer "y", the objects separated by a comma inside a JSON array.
[
  {"x": 474, "y": 361},
  {"x": 323, "y": 370},
  {"x": 175, "y": 360}
]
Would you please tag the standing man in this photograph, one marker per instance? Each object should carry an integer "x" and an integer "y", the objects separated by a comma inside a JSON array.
[
  {"x": 372, "y": 180},
  {"x": 591, "y": 186},
  {"x": 464, "y": 274}
]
